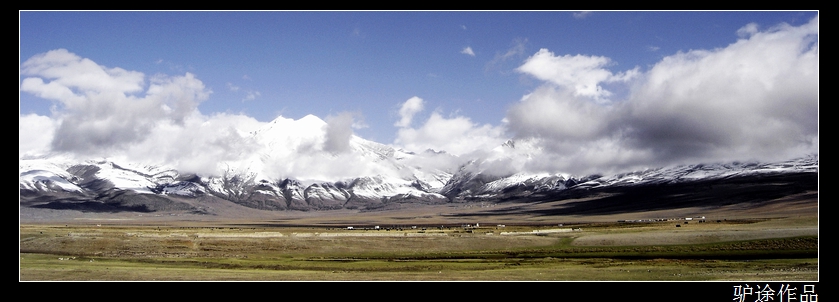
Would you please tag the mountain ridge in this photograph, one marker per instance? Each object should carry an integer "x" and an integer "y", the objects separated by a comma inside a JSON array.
[
  {"x": 107, "y": 182},
  {"x": 291, "y": 168}
]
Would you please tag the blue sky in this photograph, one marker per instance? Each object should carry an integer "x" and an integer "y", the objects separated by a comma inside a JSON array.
[{"x": 467, "y": 65}]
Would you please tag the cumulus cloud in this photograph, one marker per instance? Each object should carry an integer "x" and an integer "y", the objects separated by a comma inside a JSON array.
[
  {"x": 101, "y": 107},
  {"x": 311, "y": 149},
  {"x": 406, "y": 113},
  {"x": 468, "y": 51},
  {"x": 35, "y": 133},
  {"x": 457, "y": 135},
  {"x": 207, "y": 145},
  {"x": 560, "y": 115},
  {"x": 112, "y": 113},
  {"x": 67, "y": 70},
  {"x": 582, "y": 74},
  {"x": 757, "y": 98},
  {"x": 338, "y": 132},
  {"x": 748, "y": 30}
]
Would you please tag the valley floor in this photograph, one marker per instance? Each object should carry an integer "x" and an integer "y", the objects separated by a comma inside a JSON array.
[
  {"x": 749, "y": 249},
  {"x": 775, "y": 240}
]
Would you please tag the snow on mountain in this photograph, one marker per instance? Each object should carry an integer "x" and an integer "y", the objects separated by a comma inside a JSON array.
[
  {"x": 501, "y": 170},
  {"x": 540, "y": 182},
  {"x": 63, "y": 173},
  {"x": 126, "y": 178},
  {"x": 379, "y": 187},
  {"x": 42, "y": 180},
  {"x": 486, "y": 177},
  {"x": 41, "y": 174},
  {"x": 685, "y": 173},
  {"x": 290, "y": 169}
]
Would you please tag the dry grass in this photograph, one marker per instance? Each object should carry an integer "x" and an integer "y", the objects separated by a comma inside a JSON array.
[
  {"x": 85, "y": 252},
  {"x": 246, "y": 244}
]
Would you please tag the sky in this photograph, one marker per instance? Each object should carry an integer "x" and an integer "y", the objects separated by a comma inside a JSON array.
[{"x": 595, "y": 91}]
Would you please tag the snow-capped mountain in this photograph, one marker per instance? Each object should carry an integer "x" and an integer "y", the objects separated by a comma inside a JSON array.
[{"x": 289, "y": 167}]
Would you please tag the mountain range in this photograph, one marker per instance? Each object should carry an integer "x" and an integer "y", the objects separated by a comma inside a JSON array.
[{"x": 298, "y": 165}]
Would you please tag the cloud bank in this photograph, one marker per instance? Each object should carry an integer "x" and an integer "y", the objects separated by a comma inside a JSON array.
[{"x": 756, "y": 99}]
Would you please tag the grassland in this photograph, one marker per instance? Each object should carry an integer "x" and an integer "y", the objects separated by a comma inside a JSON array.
[{"x": 780, "y": 248}]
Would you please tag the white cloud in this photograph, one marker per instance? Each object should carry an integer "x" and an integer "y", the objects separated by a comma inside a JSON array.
[
  {"x": 559, "y": 115},
  {"x": 468, "y": 51},
  {"x": 73, "y": 72},
  {"x": 100, "y": 106},
  {"x": 251, "y": 95},
  {"x": 748, "y": 30},
  {"x": 406, "y": 113},
  {"x": 754, "y": 99},
  {"x": 457, "y": 135},
  {"x": 160, "y": 125},
  {"x": 52, "y": 90},
  {"x": 757, "y": 97},
  {"x": 201, "y": 144},
  {"x": 516, "y": 50},
  {"x": 582, "y": 14},
  {"x": 232, "y": 87},
  {"x": 35, "y": 133},
  {"x": 338, "y": 132},
  {"x": 582, "y": 74}
]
